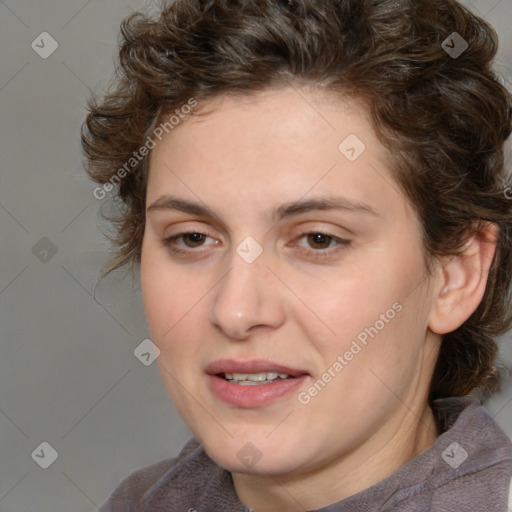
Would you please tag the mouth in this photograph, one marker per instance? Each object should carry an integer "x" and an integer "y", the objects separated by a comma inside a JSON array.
[
  {"x": 254, "y": 379},
  {"x": 253, "y": 383}
]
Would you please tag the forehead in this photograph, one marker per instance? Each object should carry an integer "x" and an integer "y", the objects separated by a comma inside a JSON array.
[
  {"x": 276, "y": 146},
  {"x": 290, "y": 118}
]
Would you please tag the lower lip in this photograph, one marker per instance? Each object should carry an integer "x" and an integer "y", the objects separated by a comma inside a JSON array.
[{"x": 253, "y": 396}]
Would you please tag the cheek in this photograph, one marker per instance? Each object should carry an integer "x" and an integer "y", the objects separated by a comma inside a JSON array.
[
  {"x": 376, "y": 312},
  {"x": 165, "y": 295},
  {"x": 171, "y": 313},
  {"x": 156, "y": 297},
  {"x": 351, "y": 305},
  {"x": 176, "y": 309}
]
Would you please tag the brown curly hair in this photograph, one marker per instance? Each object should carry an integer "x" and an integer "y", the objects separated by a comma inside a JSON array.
[{"x": 444, "y": 118}]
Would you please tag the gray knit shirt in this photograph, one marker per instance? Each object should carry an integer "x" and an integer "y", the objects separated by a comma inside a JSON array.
[{"x": 468, "y": 468}]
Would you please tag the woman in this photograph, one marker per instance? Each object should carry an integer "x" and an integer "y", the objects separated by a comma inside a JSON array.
[{"x": 314, "y": 193}]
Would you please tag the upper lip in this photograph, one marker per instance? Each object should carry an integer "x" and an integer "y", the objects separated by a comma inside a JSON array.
[{"x": 252, "y": 366}]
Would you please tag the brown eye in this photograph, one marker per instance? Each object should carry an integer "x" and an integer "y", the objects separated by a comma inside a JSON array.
[
  {"x": 193, "y": 239},
  {"x": 187, "y": 242},
  {"x": 318, "y": 245},
  {"x": 319, "y": 240}
]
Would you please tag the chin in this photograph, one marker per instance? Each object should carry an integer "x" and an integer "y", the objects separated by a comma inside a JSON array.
[{"x": 255, "y": 458}]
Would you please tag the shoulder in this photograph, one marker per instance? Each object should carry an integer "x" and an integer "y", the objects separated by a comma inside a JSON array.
[
  {"x": 470, "y": 463},
  {"x": 468, "y": 468},
  {"x": 134, "y": 490}
]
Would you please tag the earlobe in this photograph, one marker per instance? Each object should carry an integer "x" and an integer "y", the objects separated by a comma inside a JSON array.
[{"x": 462, "y": 280}]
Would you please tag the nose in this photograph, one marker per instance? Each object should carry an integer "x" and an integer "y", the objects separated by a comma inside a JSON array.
[{"x": 247, "y": 299}]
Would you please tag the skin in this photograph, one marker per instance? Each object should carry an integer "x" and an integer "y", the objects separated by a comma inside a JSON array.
[{"x": 243, "y": 158}]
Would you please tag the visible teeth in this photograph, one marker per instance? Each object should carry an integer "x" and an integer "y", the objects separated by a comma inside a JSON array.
[
  {"x": 239, "y": 376},
  {"x": 256, "y": 377},
  {"x": 249, "y": 379}
]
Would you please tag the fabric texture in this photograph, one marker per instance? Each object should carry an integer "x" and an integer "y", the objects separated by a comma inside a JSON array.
[{"x": 467, "y": 469}]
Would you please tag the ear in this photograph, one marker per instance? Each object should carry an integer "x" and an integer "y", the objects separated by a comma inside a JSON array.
[{"x": 462, "y": 281}]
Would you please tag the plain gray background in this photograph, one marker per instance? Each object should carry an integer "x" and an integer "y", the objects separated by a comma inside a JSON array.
[{"x": 68, "y": 373}]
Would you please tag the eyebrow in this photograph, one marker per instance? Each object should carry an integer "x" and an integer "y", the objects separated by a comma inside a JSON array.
[{"x": 290, "y": 209}]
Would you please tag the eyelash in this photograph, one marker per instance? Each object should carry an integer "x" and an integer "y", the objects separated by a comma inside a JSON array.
[{"x": 342, "y": 244}]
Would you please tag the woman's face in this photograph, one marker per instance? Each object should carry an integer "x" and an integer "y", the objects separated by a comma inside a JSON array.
[{"x": 301, "y": 264}]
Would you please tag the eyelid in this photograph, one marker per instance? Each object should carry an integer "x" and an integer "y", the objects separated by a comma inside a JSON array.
[
  {"x": 190, "y": 226},
  {"x": 172, "y": 238},
  {"x": 341, "y": 244},
  {"x": 334, "y": 237}
]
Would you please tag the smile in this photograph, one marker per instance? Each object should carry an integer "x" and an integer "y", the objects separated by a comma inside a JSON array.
[{"x": 254, "y": 383}]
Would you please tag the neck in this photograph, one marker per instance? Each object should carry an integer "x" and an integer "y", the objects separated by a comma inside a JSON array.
[{"x": 352, "y": 473}]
